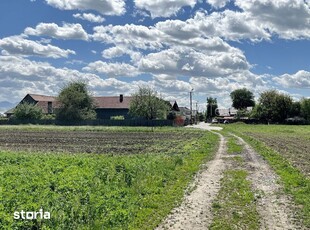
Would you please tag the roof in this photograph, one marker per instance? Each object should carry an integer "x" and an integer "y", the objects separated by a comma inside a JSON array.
[
  {"x": 37, "y": 97},
  {"x": 112, "y": 102}
]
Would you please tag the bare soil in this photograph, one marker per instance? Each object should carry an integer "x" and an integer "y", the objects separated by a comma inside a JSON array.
[{"x": 107, "y": 142}]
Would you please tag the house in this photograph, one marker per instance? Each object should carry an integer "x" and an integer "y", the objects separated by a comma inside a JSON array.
[
  {"x": 106, "y": 106},
  {"x": 46, "y": 103}
]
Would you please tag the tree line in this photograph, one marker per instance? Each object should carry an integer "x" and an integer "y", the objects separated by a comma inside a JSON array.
[{"x": 272, "y": 106}]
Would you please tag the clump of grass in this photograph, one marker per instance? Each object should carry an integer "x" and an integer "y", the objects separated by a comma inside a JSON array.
[
  {"x": 234, "y": 207},
  {"x": 233, "y": 146}
]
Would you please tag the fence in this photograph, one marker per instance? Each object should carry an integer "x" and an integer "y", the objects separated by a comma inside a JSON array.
[{"x": 105, "y": 122}]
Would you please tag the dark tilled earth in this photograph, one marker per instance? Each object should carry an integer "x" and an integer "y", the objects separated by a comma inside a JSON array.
[{"x": 92, "y": 142}]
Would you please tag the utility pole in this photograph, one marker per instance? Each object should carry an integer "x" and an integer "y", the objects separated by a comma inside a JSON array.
[
  {"x": 196, "y": 117},
  {"x": 191, "y": 105}
]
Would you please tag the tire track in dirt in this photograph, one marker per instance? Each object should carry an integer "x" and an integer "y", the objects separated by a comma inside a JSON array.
[
  {"x": 195, "y": 212},
  {"x": 274, "y": 207}
]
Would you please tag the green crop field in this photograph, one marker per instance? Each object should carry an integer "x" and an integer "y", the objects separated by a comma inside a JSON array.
[
  {"x": 96, "y": 178},
  {"x": 287, "y": 150}
]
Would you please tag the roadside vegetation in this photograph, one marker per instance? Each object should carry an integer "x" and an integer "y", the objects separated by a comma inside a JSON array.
[
  {"x": 286, "y": 149},
  {"x": 235, "y": 207},
  {"x": 111, "y": 191}
]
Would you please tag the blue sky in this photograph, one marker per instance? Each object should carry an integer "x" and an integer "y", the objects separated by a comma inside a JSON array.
[{"x": 212, "y": 46}]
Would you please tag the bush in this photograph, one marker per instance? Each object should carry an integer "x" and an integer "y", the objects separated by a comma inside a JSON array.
[
  {"x": 120, "y": 117},
  {"x": 27, "y": 111}
]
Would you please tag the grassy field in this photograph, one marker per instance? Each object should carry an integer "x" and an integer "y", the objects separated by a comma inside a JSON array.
[
  {"x": 89, "y": 189},
  {"x": 287, "y": 150}
]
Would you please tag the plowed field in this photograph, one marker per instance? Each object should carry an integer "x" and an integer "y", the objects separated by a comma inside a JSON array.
[{"x": 107, "y": 142}]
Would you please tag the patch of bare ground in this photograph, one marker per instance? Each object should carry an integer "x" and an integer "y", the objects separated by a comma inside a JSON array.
[
  {"x": 276, "y": 209},
  {"x": 195, "y": 212}
]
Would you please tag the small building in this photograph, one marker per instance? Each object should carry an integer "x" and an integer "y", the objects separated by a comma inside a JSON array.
[
  {"x": 107, "y": 107},
  {"x": 46, "y": 103}
]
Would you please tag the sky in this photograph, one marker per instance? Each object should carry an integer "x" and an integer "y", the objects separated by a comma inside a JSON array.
[{"x": 172, "y": 46}]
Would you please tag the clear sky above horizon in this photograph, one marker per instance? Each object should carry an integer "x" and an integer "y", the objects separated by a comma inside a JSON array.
[{"x": 211, "y": 46}]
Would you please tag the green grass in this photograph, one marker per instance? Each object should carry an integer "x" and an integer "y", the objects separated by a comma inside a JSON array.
[
  {"x": 89, "y": 191},
  {"x": 295, "y": 182},
  {"x": 233, "y": 147},
  {"x": 234, "y": 207}
]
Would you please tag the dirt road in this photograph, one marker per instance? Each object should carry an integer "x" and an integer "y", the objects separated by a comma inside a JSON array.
[{"x": 195, "y": 212}]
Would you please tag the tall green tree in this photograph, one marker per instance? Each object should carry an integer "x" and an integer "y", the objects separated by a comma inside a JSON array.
[
  {"x": 211, "y": 107},
  {"x": 242, "y": 98},
  {"x": 76, "y": 103},
  {"x": 273, "y": 106},
  {"x": 27, "y": 111},
  {"x": 147, "y": 104},
  {"x": 305, "y": 108}
]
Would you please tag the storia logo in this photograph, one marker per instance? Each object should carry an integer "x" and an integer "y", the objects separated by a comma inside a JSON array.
[{"x": 32, "y": 215}]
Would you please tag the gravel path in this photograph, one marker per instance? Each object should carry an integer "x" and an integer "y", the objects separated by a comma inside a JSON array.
[{"x": 195, "y": 212}]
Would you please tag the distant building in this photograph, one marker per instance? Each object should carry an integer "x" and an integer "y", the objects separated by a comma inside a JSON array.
[{"x": 106, "y": 106}]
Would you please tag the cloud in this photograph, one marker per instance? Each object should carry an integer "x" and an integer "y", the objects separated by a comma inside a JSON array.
[
  {"x": 301, "y": 79},
  {"x": 218, "y": 3},
  {"x": 105, "y": 7},
  {"x": 19, "y": 76},
  {"x": 65, "y": 32},
  {"x": 89, "y": 17},
  {"x": 17, "y": 45},
  {"x": 112, "y": 69},
  {"x": 129, "y": 35},
  {"x": 290, "y": 19},
  {"x": 163, "y": 8},
  {"x": 189, "y": 62}
]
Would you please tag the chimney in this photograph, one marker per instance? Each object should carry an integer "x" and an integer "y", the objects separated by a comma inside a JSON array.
[{"x": 121, "y": 98}]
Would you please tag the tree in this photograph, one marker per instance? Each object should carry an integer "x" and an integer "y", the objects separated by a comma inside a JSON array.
[
  {"x": 273, "y": 106},
  {"x": 242, "y": 98},
  {"x": 28, "y": 111},
  {"x": 211, "y": 107},
  {"x": 146, "y": 103},
  {"x": 305, "y": 108},
  {"x": 76, "y": 103}
]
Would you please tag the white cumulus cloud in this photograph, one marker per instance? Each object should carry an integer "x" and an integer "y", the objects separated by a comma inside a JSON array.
[
  {"x": 163, "y": 8},
  {"x": 301, "y": 79},
  {"x": 89, "y": 17},
  {"x": 17, "y": 45},
  {"x": 112, "y": 69},
  {"x": 105, "y": 7},
  {"x": 67, "y": 31}
]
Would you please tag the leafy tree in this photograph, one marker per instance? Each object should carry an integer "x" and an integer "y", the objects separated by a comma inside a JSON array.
[
  {"x": 305, "y": 108},
  {"x": 146, "y": 103},
  {"x": 28, "y": 111},
  {"x": 76, "y": 103},
  {"x": 273, "y": 106},
  {"x": 242, "y": 98},
  {"x": 295, "y": 109},
  {"x": 211, "y": 107}
]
